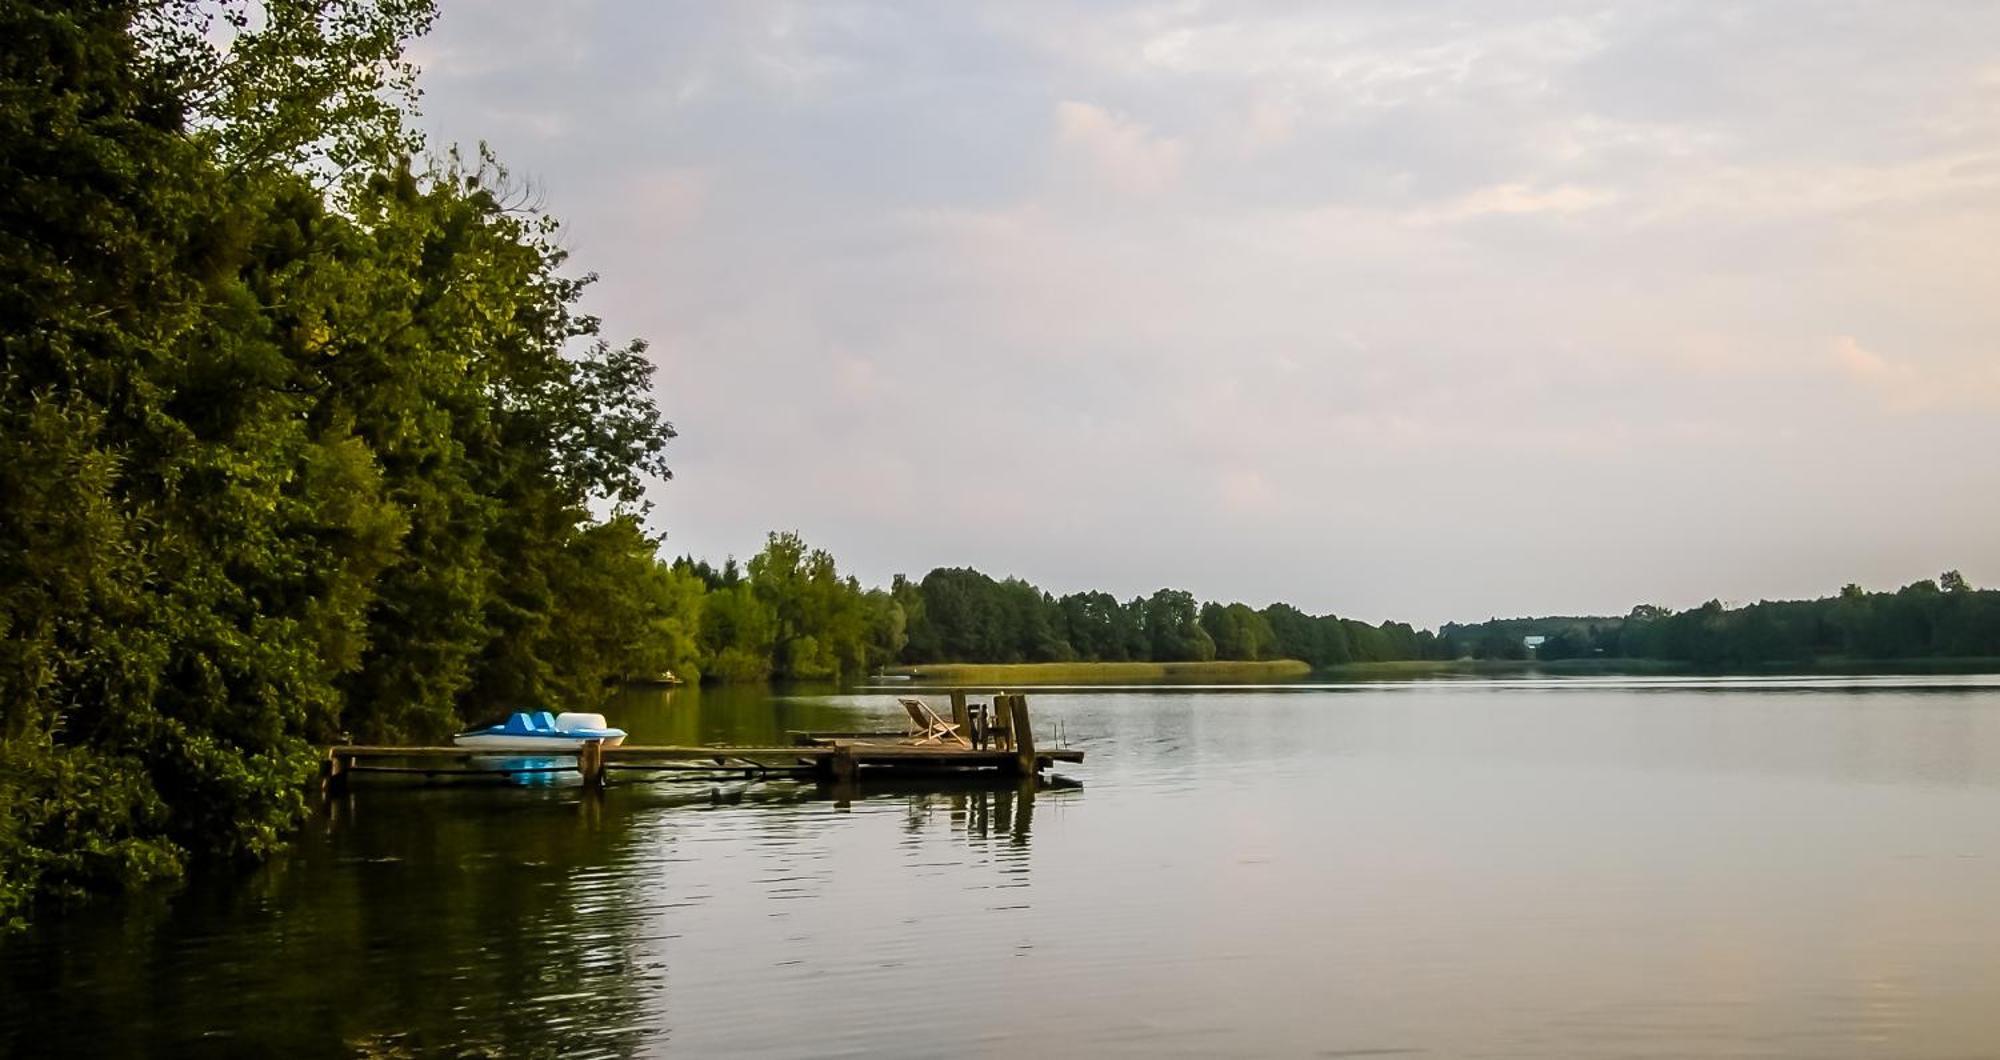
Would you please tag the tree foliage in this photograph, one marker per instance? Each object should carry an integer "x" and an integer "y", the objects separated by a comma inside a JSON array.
[
  {"x": 298, "y": 436},
  {"x": 961, "y": 615},
  {"x": 1941, "y": 619}
]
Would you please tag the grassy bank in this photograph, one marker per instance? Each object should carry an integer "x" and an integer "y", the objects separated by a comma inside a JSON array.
[
  {"x": 1413, "y": 668},
  {"x": 1236, "y": 672},
  {"x": 1485, "y": 667},
  {"x": 1086, "y": 673}
]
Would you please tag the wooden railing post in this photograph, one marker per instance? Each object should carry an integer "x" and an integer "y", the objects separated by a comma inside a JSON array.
[
  {"x": 961, "y": 715},
  {"x": 1003, "y": 723},
  {"x": 1024, "y": 734}
]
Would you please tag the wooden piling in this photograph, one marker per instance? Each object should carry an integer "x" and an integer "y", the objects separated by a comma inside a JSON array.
[
  {"x": 1024, "y": 734},
  {"x": 333, "y": 772},
  {"x": 590, "y": 763},
  {"x": 846, "y": 768},
  {"x": 961, "y": 715},
  {"x": 1001, "y": 729}
]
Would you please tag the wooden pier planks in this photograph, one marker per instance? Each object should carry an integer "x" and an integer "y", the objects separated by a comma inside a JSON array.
[{"x": 840, "y": 757}]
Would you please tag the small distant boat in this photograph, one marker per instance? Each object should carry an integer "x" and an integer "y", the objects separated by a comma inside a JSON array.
[{"x": 541, "y": 731}]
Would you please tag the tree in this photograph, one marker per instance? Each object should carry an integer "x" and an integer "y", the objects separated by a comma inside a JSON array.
[
  {"x": 1238, "y": 632},
  {"x": 1173, "y": 628},
  {"x": 888, "y": 628},
  {"x": 296, "y": 437},
  {"x": 1564, "y": 644},
  {"x": 189, "y": 543},
  {"x": 821, "y": 619},
  {"x": 1098, "y": 627},
  {"x": 738, "y": 633}
]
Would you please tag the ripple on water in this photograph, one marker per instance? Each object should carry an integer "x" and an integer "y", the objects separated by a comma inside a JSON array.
[{"x": 1719, "y": 868}]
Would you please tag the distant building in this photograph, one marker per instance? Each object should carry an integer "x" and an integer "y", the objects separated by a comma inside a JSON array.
[{"x": 1533, "y": 644}]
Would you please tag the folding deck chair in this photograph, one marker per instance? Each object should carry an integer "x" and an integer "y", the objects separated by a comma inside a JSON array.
[{"x": 927, "y": 727}]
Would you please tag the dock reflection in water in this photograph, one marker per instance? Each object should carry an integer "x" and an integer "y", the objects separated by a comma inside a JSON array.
[{"x": 1582, "y": 868}]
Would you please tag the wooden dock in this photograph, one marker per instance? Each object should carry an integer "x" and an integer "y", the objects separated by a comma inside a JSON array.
[{"x": 996, "y": 739}]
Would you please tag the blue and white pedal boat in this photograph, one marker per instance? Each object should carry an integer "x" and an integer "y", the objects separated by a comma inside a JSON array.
[{"x": 539, "y": 732}]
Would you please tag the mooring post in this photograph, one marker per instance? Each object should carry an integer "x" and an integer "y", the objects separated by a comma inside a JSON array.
[
  {"x": 845, "y": 767},
  {"x": 590, "y": 762},
  {"x": 961, "y": 715},
  {"x": 333, "y": 772},
  {"x": 1002, "y": 724},
  {"x": 1024, "y": 734}
]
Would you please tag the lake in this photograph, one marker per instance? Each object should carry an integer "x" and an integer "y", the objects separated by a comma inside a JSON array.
[{"x": 1593, "y": 867}]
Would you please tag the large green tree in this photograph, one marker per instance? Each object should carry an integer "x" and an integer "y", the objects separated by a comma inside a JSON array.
[{"x": 297, "y": 436}]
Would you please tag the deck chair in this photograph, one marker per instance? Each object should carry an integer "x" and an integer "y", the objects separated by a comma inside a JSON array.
[{"x": 926, "y": 727}]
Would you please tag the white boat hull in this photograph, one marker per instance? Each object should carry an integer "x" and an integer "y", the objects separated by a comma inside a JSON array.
[{"x": 555, "y": 743}]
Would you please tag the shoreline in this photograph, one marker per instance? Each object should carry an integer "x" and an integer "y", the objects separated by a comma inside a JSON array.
[
  {"x": 1281, "y": 670},
  {"x": 1071, "y": 673}
]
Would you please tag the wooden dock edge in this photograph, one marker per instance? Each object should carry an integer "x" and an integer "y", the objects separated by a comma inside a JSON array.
[{"x": 835, "y": 757}]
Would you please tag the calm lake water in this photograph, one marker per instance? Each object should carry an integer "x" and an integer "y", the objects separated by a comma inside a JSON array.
[{"x": 1583, "y": 867}]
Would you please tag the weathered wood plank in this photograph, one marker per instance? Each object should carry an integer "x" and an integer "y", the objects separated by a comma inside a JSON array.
[
  {"x": 440, "y": 771},
  {"x": 838, "y": 756},
  {"x": 1024, "y": 734},
  {"x": 805, "y": 738},
  {"x": 1001, "y": 730},
  {"x": 350, "y": 754},
  {"x": 352, "y": 751},
  {"x": 786, "y": 755},
  {"x": 961, "y": 715}
]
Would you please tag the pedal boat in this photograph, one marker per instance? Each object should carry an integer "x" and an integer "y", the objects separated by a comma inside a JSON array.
[{"x": 541, "y": 732}]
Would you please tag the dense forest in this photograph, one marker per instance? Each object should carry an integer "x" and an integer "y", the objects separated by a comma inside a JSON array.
[
  {"x": 301, "y": 431},
  {"x": 1945, "y": 618},
  {"x": 788, "y": 614}
]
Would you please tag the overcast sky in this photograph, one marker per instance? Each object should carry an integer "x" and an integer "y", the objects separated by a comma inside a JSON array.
[{"x": 1424, "y": 311}]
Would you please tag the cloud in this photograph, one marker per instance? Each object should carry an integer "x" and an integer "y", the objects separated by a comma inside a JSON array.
[
  {"x": 667, "y": 202},
  {"x": 1516, "y": 199},
  {"x": 1906, "y": 387},
  {"x": 1122, "y": 154},
  {"x": 1532, "y": 295}
]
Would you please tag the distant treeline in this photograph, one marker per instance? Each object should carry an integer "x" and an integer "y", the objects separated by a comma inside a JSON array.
[
  {"x": 789, "y": 614},
  {"x": 1945, "y": 618},
  {"x": 961, "y": 615}
]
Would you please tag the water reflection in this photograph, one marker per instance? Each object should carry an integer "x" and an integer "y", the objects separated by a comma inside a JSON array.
[
  {"x": 751, "y": 717},
  {"x": 396, "y": 929},
  {"x": 1451, "y": 868}
]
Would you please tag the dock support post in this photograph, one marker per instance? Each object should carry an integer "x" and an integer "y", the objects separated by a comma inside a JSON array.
[
  {"x": 333, "y": 772},
  {"x": 1024, "y": 734},
  {"x": 1003, "y": 722},
  {"x": 845, "y": 767},
  {"x": 590, "y": 762},
  {"x": 961, "y": 715}
]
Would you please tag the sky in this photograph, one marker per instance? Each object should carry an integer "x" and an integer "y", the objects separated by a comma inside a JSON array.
[{"x": 1425, "y": 311}]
